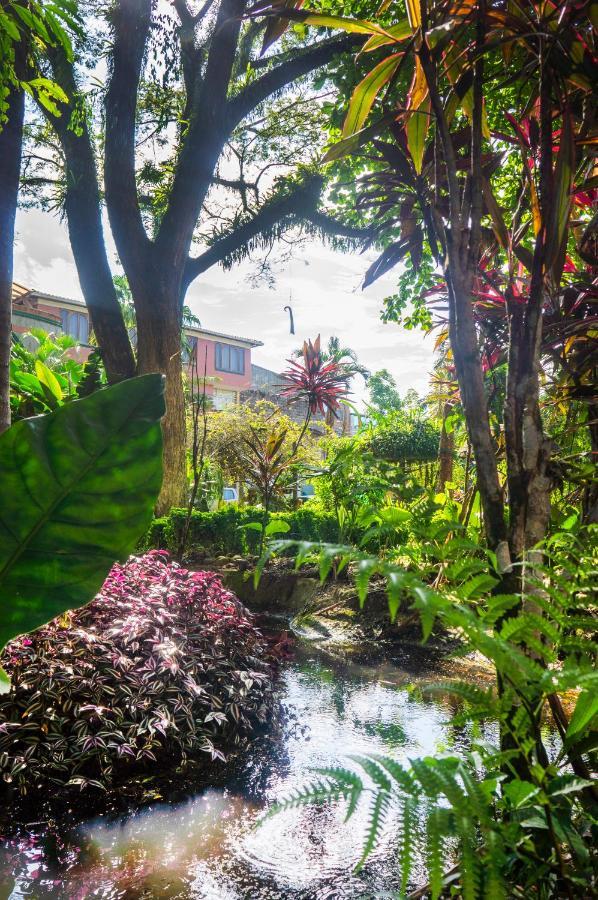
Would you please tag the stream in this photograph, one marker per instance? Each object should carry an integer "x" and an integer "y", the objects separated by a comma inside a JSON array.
[{"x": 207, "y": 846}]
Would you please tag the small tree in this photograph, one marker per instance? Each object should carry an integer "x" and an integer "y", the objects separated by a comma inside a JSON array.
[{"x": 383, "y": 392}]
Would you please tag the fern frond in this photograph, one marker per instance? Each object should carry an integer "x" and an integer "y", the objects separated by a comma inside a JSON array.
[
  {"x": 477, "y": 697},
  {"x": 494, "y": 862},
  {"x": 469, "y": 864},
  {"x": 376, "y": 772},
  {"x": 407, "y": 841},
  {"x": 403, "y": 778},
  {"x": 377, "y": 817},
  {"x": 434, "y": 850},
  {"x": 315, "y": 792}
]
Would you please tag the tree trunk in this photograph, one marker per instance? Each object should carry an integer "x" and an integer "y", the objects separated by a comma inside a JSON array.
[
  {"x": 446, "y": 451},
  {"x": 11, "y": 141},
  {"x": 159, "y": 350},
  {"x": 87, "y": 241},
  {"x": 86, "y": 233},
  {"x": 464, "y": 344}
]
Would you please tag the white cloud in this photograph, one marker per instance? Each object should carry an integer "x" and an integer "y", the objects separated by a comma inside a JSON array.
[{"x": 325, "y": 287}]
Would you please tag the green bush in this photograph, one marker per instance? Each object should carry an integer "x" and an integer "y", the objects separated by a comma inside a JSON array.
[
  {"x": 220, "y": 532},
  {"x": 403, "y": 439}
]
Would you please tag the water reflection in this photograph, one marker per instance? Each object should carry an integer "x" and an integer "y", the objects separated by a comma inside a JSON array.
[{"x": 207, "y": 847}]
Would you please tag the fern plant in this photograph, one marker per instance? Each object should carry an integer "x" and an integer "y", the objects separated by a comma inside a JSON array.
[{"x": 483, "y": 829}]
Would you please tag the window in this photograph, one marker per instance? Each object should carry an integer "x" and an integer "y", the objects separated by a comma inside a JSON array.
[
  {"x": 230, "y": 359},
  {"x": 75, "y": 324},
  {"x": 188, "y": 349}
]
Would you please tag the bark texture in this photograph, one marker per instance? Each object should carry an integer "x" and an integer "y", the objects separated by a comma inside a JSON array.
[{"x": 84, "y": 220}]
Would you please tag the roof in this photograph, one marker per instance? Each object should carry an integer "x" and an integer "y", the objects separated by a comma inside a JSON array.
[
  {"x": 251, "y": 342},
  {"x": 20, "y": 293}
]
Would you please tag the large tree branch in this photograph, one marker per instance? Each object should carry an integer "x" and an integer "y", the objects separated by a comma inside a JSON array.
[
  {"x": 131, "y": 23},
  {"x": 274, "y": 217},
  {"x": 328, "y": 225},
  {"x": 84, "y": 219},
  {"x": 298, "y": 65},
  {"x": 204, "y": 139}
]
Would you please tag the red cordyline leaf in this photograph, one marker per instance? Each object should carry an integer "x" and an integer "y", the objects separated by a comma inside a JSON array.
[{"x": 321, "y": 385}]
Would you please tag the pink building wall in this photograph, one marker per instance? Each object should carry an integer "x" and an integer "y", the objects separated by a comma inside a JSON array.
[
  {"x": 30, "y": 311},
  {"x": 226, "y": 380}
]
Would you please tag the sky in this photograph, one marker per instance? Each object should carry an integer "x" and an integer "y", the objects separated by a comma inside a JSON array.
[{"x": 324, "y": 286}]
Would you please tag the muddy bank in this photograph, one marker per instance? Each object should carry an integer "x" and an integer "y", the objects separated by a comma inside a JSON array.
[{"x": 330, "y": 616}]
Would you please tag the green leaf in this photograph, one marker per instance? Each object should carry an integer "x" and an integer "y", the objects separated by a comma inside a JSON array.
[
  {"x": 277, "y": 526},
  {"x": 365, "y": 570},
  {"x": 394, "y": 33},
  {"x": 366, "y": 92},
  {"x": 519, "y": 793},
  {"x": 417, "y": 130},
  {"x": 394, "y": 585},
  {"x": 48, "y": 378},
  {"x": 567, "y": 784},
  {"x": 78, "y": 489},
  {"x": 348, "y": 145},
  {"x": 355, "y": 26},
  {"x": 585, "y": 710}
]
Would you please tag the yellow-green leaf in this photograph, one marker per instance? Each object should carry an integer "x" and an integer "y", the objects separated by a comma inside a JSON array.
[
  {"x": 414, "y": 13},
  {"x": 366, "y": 92},
  {"x": 394, "y": 34},
  {"x": 417, "y": 130},
  {"x": 355, "y": 26},
  {"x": 48, "y": 378},
  {"x": 418, "y": 116},
  {"x": 349, "y": 144}
]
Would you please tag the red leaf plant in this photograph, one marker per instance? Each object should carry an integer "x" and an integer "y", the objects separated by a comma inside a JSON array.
[
  {"x": 164, "y": 666},
  {"x": 320, "y": 385}
]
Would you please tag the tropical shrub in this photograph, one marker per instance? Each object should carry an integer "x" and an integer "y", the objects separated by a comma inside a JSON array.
[
  {"x": 45, "y": 372},
  {"x": 162, "y": 666},
  {"x": 230, "y": 428},
  {"x": 399, "y": 437}
]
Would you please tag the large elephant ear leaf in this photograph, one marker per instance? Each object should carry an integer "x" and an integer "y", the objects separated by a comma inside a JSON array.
[{"x": 78, "y": 488}]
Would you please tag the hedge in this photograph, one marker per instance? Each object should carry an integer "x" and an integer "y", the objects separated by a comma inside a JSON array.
[{"x": 220, "y": 532}]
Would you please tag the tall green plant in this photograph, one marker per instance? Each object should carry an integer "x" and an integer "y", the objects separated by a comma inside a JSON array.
[
  {"x": 43, "y": 372},
  {"x": 78, "y": 490},
  {"x": 509, "y": 836}
]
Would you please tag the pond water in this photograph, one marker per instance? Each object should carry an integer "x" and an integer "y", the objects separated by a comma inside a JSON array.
[{"x": 207, "y": 846}]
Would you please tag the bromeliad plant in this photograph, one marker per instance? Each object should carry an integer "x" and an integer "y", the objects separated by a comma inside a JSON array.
[
  {"x": 164, "y": 665},
  {"x": 320, "y": 385}
]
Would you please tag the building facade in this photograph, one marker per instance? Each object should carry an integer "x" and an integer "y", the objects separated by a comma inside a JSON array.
[
  {"x": 225, "y": 359},
  {"x": 267, "y": 385}
]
